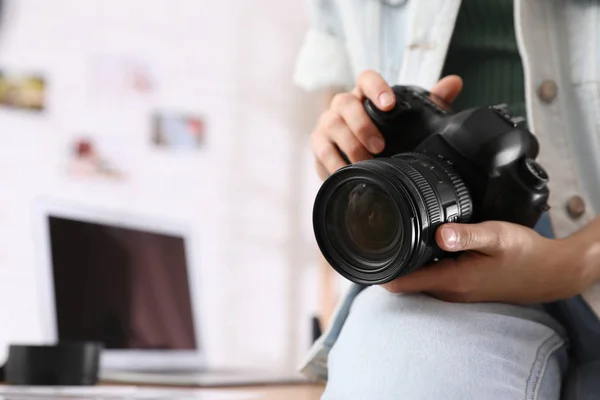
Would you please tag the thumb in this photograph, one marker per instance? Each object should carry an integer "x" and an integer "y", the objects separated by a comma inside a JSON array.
[
  {"x": 447, "y": 88},
  {"x": 485, "y": 237}
]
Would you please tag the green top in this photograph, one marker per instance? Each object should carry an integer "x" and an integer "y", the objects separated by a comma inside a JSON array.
[{"x": 483, "y": 52}]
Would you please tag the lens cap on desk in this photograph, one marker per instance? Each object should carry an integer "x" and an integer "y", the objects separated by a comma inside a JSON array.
[{"x": 64, "y": 364}]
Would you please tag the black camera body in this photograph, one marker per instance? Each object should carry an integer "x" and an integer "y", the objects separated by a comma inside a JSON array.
[{"x": 376, "y": 220}]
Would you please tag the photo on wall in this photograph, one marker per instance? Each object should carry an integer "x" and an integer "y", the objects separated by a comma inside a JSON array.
[
  {"x": 22, "y": 91},
  {"x": 121, "y": 75},
  {"x": 87, "y": 161},
  {"x": 178, "y": 130}
]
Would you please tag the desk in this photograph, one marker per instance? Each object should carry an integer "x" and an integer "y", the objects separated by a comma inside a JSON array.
[
  {"x": 302, "y": 391},
  {"x": 284, "y": 392},
  {"x": 274, "y": 392},
  {"x": 268, "y": 392},
  {"x": 298, "y": 391}
]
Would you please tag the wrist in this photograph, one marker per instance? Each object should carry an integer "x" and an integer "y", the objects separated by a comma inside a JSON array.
[{"x": 582, "y": 252}]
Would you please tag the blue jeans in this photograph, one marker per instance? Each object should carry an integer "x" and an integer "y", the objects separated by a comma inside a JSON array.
[{"x": 391, "y": 346}]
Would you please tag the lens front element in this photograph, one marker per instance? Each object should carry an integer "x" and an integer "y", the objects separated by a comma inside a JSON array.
[
  {"x": 371, "y": 218},
  {"x": 364, "y": 220}
]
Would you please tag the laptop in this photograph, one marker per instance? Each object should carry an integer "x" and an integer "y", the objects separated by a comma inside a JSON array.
[{"x": 125, "y": 280}]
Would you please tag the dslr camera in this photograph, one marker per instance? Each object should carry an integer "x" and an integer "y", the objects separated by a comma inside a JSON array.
[{"x": 375, "y": 220}]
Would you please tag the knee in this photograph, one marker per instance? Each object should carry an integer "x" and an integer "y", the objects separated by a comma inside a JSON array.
[
  {"x": 420, "y": 311},
  {"x": 402, "y": 343}
]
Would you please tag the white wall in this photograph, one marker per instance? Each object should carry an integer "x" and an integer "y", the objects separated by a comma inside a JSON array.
[{"x": 248, "y": 195}]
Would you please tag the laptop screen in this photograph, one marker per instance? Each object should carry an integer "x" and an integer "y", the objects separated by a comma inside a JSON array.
[{"x": 126, "y": 288}]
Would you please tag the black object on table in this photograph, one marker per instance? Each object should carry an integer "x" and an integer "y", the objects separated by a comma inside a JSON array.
[{"x": 64, "y": 364}]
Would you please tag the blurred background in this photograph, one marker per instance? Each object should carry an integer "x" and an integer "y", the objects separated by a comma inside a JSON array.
[{"x": 155, "y": 169}]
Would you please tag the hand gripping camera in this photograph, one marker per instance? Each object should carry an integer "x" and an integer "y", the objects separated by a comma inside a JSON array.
[{"x": 375, "y": 220}]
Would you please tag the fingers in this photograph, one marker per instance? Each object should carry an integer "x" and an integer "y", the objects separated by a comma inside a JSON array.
[
  {"x": 487, "y": 237},
  {"x": 430, "y": 278},
  {"x": 455, "y": 280},
  {"x": 447, "y": 88},
  {"x": 372, "y": 86},
  {"x": 327, "y": 153},
  {"x": 360, "y": 125},
  {"x": 333, "y": 133},
  {"x": 347, "y": 128},
  {"x": 321, "y": 170}
]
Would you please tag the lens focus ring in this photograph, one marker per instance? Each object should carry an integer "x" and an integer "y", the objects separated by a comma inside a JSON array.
[{"x": 432, "y": 205}]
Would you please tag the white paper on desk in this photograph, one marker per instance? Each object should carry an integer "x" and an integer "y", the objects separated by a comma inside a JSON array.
[{"x": 119, "y": 393}]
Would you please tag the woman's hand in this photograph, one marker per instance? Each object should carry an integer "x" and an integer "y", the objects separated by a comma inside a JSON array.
[
  {"x": 346, "y": 126},
  {"x": 504, "y": 262}
]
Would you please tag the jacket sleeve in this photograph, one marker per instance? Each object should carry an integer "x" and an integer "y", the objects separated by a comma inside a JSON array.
[
  {"x": 323, "y": 60},
  {"x": 314, "y": 365}
]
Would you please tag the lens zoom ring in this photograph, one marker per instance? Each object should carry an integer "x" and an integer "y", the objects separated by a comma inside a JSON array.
[{"x": 432, "y": 205}]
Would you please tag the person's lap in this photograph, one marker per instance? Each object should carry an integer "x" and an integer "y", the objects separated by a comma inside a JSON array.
[{"x": 417, "y": 347}]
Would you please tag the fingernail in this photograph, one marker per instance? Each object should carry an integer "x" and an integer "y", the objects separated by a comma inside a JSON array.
[
  {"x": 385, "y": 99},
  {"x": 376, "y": 145},
  {"x": 450, "y": 237}
]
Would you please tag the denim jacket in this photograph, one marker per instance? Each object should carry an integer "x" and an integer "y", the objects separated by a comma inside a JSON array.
[{"x": 407, "y": 40}]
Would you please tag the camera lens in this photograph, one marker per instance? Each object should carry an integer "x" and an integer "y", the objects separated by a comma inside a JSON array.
[
  {"x": 365, "y": 219},
  {"x": 375, "y": 220}
]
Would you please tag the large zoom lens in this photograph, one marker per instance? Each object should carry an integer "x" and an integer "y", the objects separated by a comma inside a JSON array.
[{"x": 375, "y": 220}]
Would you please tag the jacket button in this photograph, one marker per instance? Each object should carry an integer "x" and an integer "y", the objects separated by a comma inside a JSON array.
[
  {"x": 547, "y": 91},
  {"x": 575, "y": 207}
]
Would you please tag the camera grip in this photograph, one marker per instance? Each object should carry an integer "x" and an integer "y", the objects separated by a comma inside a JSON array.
[
  {"x": 519, "y": 195},
  {"x": 385, "y": 123},
  {"x": 415, "y": 115}
]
